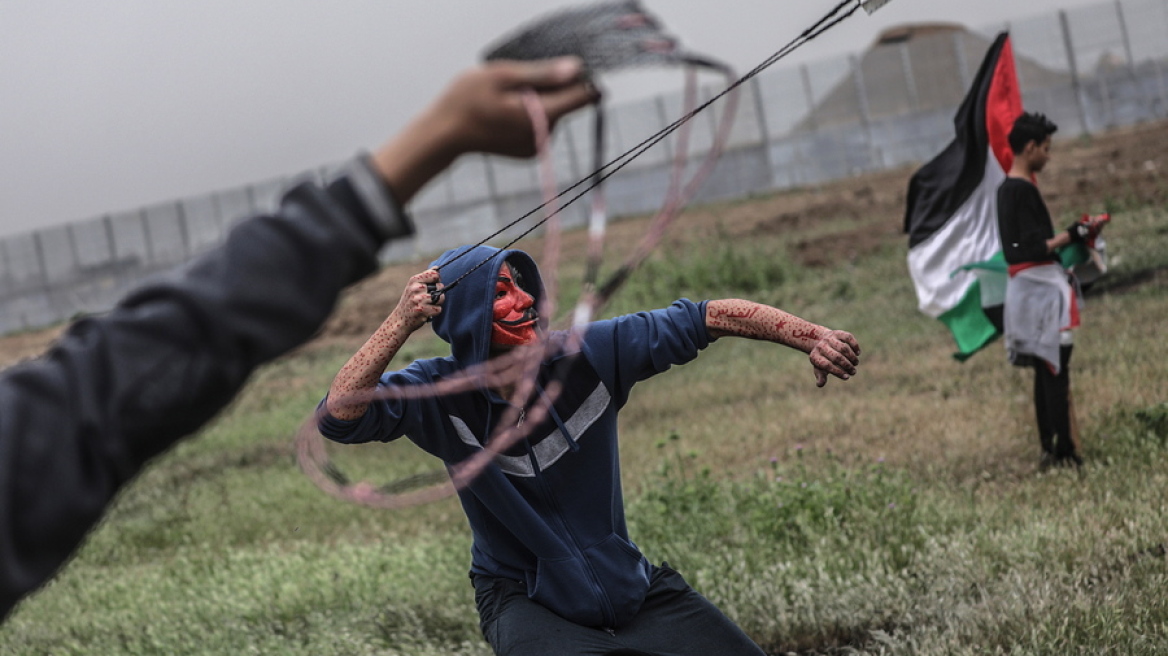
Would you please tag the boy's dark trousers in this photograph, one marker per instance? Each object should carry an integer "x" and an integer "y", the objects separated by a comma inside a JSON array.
[
  {"x": 674, "y": 621},
  {"x": 1052, "y": 406}
]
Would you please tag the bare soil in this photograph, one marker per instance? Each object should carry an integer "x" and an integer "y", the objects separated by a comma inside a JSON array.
[{"x": 1126, "y": 167}]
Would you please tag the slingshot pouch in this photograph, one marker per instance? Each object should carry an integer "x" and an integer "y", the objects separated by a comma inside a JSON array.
[{"x": 606, "y": 35}]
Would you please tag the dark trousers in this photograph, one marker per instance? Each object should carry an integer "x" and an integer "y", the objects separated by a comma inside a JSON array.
[
  {"x": 674, "y": 621},
  {"x": 1052, "y": 406}
]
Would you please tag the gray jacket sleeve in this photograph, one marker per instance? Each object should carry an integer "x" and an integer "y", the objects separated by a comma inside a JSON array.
[{"x": 116, "y": 390}]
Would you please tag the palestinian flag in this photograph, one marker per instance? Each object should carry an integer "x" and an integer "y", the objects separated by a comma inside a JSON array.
[{"x": 951, "y": 218}]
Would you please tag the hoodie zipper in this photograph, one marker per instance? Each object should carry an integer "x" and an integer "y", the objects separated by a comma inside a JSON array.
[
  {"x": 545, "y": 491},
  {"x": 597, "y": 588}
]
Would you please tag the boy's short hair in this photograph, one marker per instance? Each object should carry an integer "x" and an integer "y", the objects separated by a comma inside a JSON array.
[{"x": 1030, "y": 127}]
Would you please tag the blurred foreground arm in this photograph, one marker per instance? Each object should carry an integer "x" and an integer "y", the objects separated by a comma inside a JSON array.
[
  {"x": 117, "y": 390},
  {"x": 832, "y": 352}
]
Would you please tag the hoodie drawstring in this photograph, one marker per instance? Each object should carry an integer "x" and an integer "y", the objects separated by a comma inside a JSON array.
[{"x": 568, "y": 437}]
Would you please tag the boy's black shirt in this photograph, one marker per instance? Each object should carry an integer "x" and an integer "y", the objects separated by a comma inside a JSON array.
[{"x": 1024, "y": 222}]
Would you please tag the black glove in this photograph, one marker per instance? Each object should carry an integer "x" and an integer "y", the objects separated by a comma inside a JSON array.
[
  {"x": 1088, "y": 228},
  {"x": 1079, "y": 232}
]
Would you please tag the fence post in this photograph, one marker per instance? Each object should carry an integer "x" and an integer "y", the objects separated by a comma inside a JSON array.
[
  {"x": 146, "y": 233},
  {"x": 108, "y": 222},
  {"x": 220, "y": 222},
  {"x": 1108, "y": 108},
  {"x": 809, "y": 95},
  {"x": 705, "y": 94},
  {"x": 865, "y": 111},
  {"x": 804, "y": 169},
  {"x": 962, "y": 60},
  {"x": 492, "y": 190},
  {"x": 492, "y": 184},
  {"x": 40, "y": 257},
  {"x": 73, "y": 247},
  {"x": 1076, "y": 86},
  {"x": 573, "y": 162},
  {"x": 1123, "y": 33},
  {"x": 763, "y": 130},
  {"x": 183, "y": 229},
  {"x": 7, "y": 264},
  {"x": 909, "y": 79},
  {"x": 663, "y": 116},
  {"x": 252, "y": 206}
]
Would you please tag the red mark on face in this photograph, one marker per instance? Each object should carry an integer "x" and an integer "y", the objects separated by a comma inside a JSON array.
[{"x": 514, "y": 312}]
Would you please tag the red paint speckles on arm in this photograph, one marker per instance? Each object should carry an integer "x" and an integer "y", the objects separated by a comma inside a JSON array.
[
  {"x": 355, "y": 383},
  {"x": 739, "y": 318},
  {"x": 833, "y": 352}
]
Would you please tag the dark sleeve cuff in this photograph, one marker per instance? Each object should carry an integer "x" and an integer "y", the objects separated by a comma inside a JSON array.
[
  {"x": 337, "y": 430},
  {"x": 369, "y": 198}
]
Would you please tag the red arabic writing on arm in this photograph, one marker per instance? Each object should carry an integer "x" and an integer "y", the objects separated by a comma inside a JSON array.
[
  {"x": 807, "y": 333},
  {"x": 740, "y": 318},
  {"x": 734, "y": 312},
  {"x": 832, "y": 352}
]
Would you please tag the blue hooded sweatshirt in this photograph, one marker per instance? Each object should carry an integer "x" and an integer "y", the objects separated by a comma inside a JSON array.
[{"x": 549, "y": 511}]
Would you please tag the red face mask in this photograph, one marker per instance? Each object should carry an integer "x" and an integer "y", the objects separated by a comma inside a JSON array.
[{"x": 515, "y": 315}]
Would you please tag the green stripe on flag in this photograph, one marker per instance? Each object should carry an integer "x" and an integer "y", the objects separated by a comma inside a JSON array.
[
  {"x": 968, "y": 322},
  {"x": 1073, "y": 255}
]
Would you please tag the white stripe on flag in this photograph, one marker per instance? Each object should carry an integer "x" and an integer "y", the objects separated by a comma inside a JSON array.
[{"x": 970, "y": 235}]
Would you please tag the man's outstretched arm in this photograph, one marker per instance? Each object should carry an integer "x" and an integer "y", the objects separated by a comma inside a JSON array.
[{"x": 832, "y": 352}]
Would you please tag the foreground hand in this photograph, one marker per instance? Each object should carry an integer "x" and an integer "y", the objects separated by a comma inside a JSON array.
[
  {"x": 481, "y": 111},
  {"x": 838, "y": 354},
  {"x": 416, "y": 306},
  {"x": 483, "y": 107}
]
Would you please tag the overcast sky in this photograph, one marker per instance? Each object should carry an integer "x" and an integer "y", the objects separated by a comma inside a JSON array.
[{"x": 108, "y": 105}]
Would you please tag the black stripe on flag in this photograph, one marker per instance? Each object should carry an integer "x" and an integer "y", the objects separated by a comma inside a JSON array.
[{"x": 940, "y": 187}]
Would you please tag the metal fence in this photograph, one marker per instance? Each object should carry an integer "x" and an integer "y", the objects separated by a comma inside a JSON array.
[{"x": 1090, "y": 69}]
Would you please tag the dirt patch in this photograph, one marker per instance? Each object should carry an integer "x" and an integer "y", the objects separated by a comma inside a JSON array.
[
  {"x": 848, "y": 246},
  {"x": 26, "y": 345},
  {"x": 875, "y": 195},
  {"x": 1123, "y": 168}
]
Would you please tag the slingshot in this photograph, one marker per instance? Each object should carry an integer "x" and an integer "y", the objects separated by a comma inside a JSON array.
[{"x": 607, "y": 36}]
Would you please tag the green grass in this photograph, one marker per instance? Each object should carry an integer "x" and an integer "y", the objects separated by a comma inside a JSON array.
[{"x": 900, "y": 512}]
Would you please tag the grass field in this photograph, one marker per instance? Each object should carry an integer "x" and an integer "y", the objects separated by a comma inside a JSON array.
[{"x": 901, "y": 512}]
